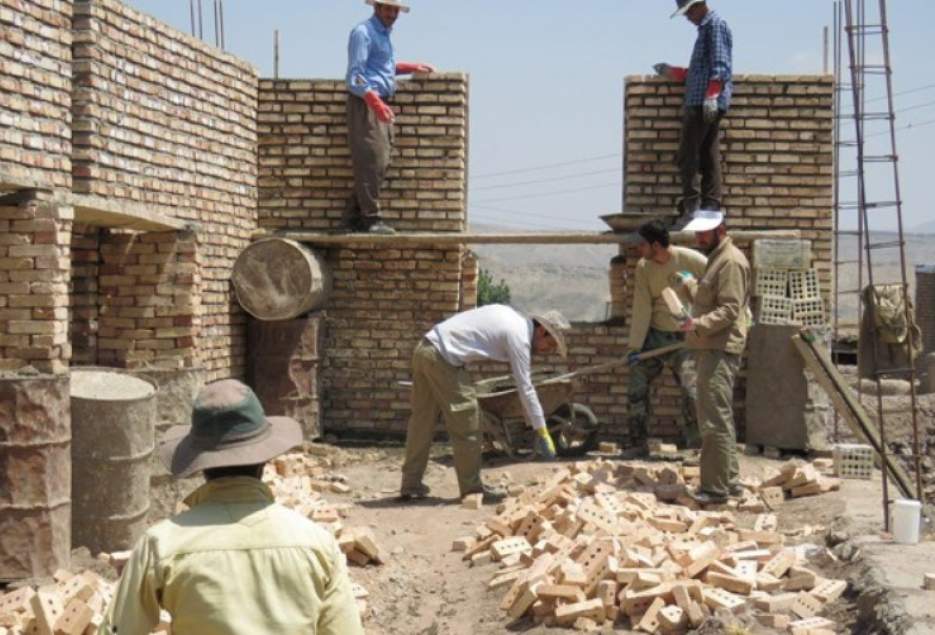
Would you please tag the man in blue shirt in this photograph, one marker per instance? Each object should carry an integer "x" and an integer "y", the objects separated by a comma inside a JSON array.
[
  {"x": 371, "y": 82},
  {"x": 708, "y": 89}
]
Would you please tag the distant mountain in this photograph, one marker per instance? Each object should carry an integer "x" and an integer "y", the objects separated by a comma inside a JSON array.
[{"x": 925, "y": 228}]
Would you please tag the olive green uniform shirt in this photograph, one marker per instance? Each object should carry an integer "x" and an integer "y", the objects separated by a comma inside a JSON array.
[
  {"x": 236, "y": 562},
  {"x": 722, "y": 303},
  {"x": 649, "y": 309}
]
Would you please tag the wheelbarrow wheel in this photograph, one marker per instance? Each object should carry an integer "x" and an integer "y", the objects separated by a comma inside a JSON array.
[{"x": 574, "y": 429}]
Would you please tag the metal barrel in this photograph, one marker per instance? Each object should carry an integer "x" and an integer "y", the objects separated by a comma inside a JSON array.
[
  {"x": 35, "y": 476},
  {"x": 113, "y": 417},
  {"x": 280, "y": 279}
]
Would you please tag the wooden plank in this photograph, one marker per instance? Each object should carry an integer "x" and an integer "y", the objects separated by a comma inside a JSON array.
[
  {"x": 525, "y": 238},
  {"x": 847, "y": 406}
]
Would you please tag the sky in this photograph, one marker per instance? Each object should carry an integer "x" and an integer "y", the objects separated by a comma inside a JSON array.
[{"x": 546, "y": 83}]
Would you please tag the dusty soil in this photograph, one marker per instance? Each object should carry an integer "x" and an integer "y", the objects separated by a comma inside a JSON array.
[{"x": 425, "y": 588}]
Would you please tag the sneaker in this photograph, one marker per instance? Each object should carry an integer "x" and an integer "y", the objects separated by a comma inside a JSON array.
[
  {"x": 382, "y": 228},
  {"x": 736, "y": 490},
  {"x": 707, "y": 498},
  {"x": 413, "y": 493}
]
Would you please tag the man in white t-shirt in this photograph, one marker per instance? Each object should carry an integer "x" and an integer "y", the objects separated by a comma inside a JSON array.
[{"x": 442, "y": 385}]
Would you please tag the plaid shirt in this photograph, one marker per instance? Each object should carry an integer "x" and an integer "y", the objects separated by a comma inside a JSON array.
[{"x": 711, "y": 59}]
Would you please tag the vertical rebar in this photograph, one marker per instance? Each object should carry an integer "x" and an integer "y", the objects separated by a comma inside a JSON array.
[
  {"x": 191, "y": 9},
  {"x": 824, "y": 50},
  {"x": 221, "y": 12},
  {"x": 201, "y": 22},
  {"x": 276, "y": 54},
  {"x": 836, "y": 193}
]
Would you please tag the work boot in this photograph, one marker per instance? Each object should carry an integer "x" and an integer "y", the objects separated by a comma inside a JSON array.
[
  {"x": 381, "y": 228},
  {"x": 735, "y": 490},
  {"x": 413, "y": 493},
  {"x": 707, "y": 498},
  {"x": 491, "y": 494},
  {"x": 639, "y": 450}
]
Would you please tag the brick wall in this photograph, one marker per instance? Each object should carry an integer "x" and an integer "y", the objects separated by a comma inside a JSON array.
[
  {"x": 383, "y": 301},
  {"x": 304, "y": 161},
  {"x": 35, "y": 238},
  {"x": 83, "y": 303},
  {"x": 35, "y": 93},
  {"x": 776, "y": 154},
  {"x": 150, "y": 300},
  {"x": 163, "y": 119}
]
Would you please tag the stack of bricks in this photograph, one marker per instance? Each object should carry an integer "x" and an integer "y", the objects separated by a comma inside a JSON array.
[
  {"x": 165, "y": 120},
  {"x": 304, "y": 161},
  {"x": 35, "y": 236},
  {"x": 470, "y": 272},
  {"x": 149, "y": 301},
  {"x": 925, "y": 306},
  {"x": 383, "y": 301},
  {"x": 35, "y": 93}
]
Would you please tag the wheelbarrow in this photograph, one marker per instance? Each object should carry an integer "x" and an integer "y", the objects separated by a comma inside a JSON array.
[{"x": 573, "y": 426}]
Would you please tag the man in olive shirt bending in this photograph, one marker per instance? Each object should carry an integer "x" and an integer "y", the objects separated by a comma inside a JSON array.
[{"x": 653, "y": 326}]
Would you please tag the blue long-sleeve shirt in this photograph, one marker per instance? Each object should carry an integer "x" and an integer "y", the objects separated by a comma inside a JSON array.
[
  {"x": 371, "y": 61},
  {"x": 712, "y": 58}
]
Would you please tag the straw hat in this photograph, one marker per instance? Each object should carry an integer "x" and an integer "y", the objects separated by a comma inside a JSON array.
[
  {"x": 556, "y": 325},
  {"x": 390, "y": 3},
  {"x": 228, "y": 428}
]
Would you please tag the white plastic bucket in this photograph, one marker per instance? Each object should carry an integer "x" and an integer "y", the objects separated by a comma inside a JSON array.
[{"x": 907, "y": 519}]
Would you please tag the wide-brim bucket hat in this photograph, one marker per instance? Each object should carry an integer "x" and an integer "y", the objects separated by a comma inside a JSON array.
[
  {"x": 228, "y": 428},
  {"x": 390, "y": 3},
  {"x": 684, "y": 6},
  {"x": 556, "y": 325},
  {"x": 705, "y": 220}
]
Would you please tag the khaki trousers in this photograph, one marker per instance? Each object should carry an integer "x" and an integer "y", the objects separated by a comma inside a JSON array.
[
  {"x": 371, "y": 143},
  {"x": 719, "y": 467},
  {"x": 440, "y": 388}
]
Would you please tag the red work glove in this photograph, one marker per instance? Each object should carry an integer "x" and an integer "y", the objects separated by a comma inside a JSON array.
[
  {"x": 405, "y": 68},
  {"x": 383, "y": 112},
  {"x": 679, "y": 73},
  {"x": 710, "y": 100}
]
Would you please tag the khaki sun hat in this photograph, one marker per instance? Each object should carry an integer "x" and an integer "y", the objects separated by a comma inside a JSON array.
[
  {"x": 556, "y": 325},
  {"x": 390, "y": 3},
  {"x": 228, "y": 428}
]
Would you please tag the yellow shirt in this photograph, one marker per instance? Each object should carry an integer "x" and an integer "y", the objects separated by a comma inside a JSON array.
[
  {"x": 649, "y": 309},
  {"x": 236, "y": 562}
]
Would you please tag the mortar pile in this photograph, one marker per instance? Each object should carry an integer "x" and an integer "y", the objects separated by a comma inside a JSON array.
[{"x": 604, "y": 542}]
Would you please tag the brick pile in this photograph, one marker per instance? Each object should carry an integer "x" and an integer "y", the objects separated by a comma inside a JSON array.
[
  {"x": 148, "y": 297},
  {"x": 604, "y": 542},
  {"x": 382, "y": 302},
  {"x": 163, "y": 119},
  {"x": 304, "y": 160},
  {"x": 34, "y": 274},
  {"x": 35, "y": 93}
]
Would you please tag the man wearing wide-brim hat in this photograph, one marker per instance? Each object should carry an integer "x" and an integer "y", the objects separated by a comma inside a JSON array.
[
  {"x": 717, "y": 332},
  {"x": 442, "y": 385},
  {"x": 371, "y": 81},
  {"x": 708, "y": 90},
  {"x": 235, "y": 562}
]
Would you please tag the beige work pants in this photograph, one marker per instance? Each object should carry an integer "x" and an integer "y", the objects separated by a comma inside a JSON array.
[
  {"x": 440, "y": 388},
  {"x": 719, "y": 467}
]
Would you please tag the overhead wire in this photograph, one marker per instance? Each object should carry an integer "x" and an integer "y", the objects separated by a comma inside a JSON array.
[
  {"x": 565, "y": 177},
  {"x": 551, "y": 193},
  {"x": 547, "y": 166}
]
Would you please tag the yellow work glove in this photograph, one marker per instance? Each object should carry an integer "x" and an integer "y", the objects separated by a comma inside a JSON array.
[{"x": 543, "y": 445}]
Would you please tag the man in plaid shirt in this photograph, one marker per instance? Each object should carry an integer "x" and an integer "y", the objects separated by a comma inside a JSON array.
[{"x": 708, "y": 89}]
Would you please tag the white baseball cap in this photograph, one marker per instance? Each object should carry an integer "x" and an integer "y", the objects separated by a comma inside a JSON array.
[{"x": 705, "y": 220}]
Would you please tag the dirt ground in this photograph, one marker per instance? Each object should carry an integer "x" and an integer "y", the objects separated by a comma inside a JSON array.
[{"x": 425, "y": 588}]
